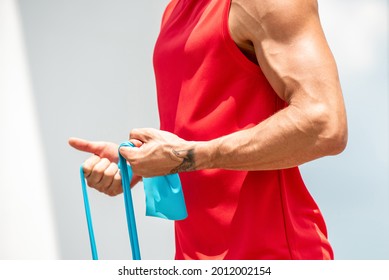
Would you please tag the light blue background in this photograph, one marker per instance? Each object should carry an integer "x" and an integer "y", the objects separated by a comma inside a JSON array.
[{"x": 91, "y": 67}]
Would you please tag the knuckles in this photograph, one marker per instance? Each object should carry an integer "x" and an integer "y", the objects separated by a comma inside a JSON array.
[{"x": 109, "y": 172}]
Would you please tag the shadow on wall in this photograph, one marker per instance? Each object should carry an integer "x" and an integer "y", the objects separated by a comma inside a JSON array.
[{"x": 26, "y": 212}]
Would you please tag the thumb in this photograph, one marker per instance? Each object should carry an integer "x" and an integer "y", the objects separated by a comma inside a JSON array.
[
  {"x": 127, "y": 152},
  {"x": 86, "y": 146},
  {"x": 136, "y": 142}
]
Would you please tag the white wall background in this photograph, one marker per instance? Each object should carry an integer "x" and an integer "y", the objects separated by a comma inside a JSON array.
[{"x": 90, "y": 65}]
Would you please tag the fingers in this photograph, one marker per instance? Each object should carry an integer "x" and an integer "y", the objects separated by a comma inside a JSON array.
[
  {"x": 142, "y": 134},
  {"x": 128, "y": 152},
  {"x": 86, "y": 146},
  {"x": 116, "y": 186},
  {"x": 138, "y": 137},
  {"x": 111, "y": 185},
  {"x": 102, "y": 149},
  {"x": 98, "y": 171},
  {"x": 103, "y": 175},
  {"x": 136, "y": 142},
  {"x": 89, "y": 164},
  {"x": 153, "y": 157}
]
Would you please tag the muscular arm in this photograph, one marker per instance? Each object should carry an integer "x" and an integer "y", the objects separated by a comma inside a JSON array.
[
  {"x": 286, "y": 38},
  {"x": 292, "y": 52}
]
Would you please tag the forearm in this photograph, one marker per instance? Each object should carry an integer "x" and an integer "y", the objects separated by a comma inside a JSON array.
[{"x": 289, "y": 138}]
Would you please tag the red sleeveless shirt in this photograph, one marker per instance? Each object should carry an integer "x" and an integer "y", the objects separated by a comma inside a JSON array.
[{"x": 206, "y": 89}]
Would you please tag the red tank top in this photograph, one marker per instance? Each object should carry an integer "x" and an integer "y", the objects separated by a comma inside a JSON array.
[{"x": 206, "y": 89}]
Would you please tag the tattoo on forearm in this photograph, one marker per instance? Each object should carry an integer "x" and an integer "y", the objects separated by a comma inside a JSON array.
[{"x": 188, "y": 163}]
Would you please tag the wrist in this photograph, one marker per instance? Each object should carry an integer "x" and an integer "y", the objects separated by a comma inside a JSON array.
[{"x": 204, "y": 154}]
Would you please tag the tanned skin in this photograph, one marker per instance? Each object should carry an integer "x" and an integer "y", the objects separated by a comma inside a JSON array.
[{"x": 285, "y": 38}]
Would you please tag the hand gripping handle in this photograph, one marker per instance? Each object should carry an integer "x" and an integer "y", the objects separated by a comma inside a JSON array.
[{"x": 164, "y": 199}]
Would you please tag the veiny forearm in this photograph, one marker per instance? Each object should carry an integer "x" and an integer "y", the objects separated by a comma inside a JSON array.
[{"x": 289, "y": 138}]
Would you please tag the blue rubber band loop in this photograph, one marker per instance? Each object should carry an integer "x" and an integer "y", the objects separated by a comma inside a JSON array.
[
  {"x": 131, "y": 224},
  {"x": 88, "y": 216},
  {"x": 164, "y": 199}
]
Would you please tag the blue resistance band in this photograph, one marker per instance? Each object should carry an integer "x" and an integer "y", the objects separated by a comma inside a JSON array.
[{"x": 164, "y": 199}]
